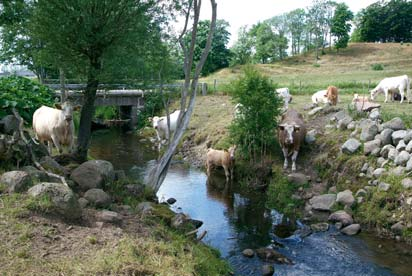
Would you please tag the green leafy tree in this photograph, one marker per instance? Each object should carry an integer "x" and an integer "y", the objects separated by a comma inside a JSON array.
[
  {"x": 82, "y": 36},
  {"x": 296, "y": 27},
  {"x": 219, "y": 55},
  {"x": 341, "y": 25},
  {"x": 242, "y": 48},
  {"x": 254, "y": 130}
]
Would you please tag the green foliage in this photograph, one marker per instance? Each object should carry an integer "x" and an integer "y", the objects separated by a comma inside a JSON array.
[
  {"x": 341, "y": 26},
  {"x": 219, "y": 54},
  {"x": 377, "y": 67},
  {"x": 24, "y": 95},
  {"x": 386, "y": 21},
  {"x": 107, "y": 112},
  {"x": 152, "y": 106},
  {"x": 317, "y": 65},
  {"x": 254, "y": 130},
  {"x": 42, "y": 204},
  {"x": 242, "y": 49},
  {"x": 280, "y": 197}
]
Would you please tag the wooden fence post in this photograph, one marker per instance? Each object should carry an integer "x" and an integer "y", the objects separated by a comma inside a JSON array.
[{"x": 204, "y": 88}]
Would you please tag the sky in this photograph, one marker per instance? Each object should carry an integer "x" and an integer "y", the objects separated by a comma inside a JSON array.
[{"x": 248, "y": 12}]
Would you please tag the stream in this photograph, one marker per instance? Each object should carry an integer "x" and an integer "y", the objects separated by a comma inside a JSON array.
[{"x": 235, "y": 220}]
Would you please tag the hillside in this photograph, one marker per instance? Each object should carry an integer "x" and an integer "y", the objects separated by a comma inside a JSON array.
[{"x": 349, "y": 69}]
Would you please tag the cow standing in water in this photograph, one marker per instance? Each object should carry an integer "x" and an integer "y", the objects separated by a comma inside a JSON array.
[
  {"x": 55, "y": 125},
  {"x": 291, "y": 135}
]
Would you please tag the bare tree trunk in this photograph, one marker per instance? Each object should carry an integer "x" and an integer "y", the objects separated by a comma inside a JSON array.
[
  {"x": 158, "y": 173},
  {"x": 63, "y": 91}
]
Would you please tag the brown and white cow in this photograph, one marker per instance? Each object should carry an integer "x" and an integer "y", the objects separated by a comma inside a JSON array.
[
  {"x": 291, "y": 135},
  {"x": 55, "y": 125},
  {"x": 221, "y": 158},
  {"x": 332, "y": 95}
]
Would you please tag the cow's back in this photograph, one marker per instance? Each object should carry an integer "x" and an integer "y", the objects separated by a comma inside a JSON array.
[{"x": 47, "y": 120}]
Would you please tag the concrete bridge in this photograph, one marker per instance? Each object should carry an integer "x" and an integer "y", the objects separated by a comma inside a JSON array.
[{"x": 130, "y": 101}]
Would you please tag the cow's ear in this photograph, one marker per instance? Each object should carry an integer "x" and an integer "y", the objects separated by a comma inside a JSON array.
[
  {"x": 326, "y": 95},
  {"x": 58, "y": 106},
  {"x": 281, "y": 127},
  {"x": 296, "y": 128},
  {"x": 77, "y": 108},
  {"x": 150, "y": 119}
]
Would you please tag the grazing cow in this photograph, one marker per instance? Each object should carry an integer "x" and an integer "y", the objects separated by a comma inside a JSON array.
[
  {"x": 320, "y": 97},
  {"x": 221, "y": 158},
  {"x": 55, "y": 125},
  {"x": 285, "y": 95},
  {"x": 291, "y": 135},
  {"x": 400, "y": 83},
  {"x": 332, "y": 95},
  {"x": 357, "y": 98},
  {"x": 160, "y": 125}
]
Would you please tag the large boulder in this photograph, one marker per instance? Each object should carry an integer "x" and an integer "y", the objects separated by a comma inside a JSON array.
[
  {"x": 350, "y": 146},
  {"x": 397, "y": 136},
  {"x": 16, "y": 181},
  {"x": 375, "y": 114},
  {"x": 98, "y": 198},
  {"x": 35, "y": 174},
  {"x": 51, "y": 165},
  {"x": 345, "y": 198},
  {"x": 342, "y": 217},
  {"x": 10, "y": 124},
  {"x": 369, "y": 131},
  {"x": 93, "y": 174},
  {"x": 408, "y": 137},
  {"x": 323, "y": 202},
  {"x": 386, "y": 136},
  {"x": 64, "y": 201},
  {"x": 395, "y": 124},
  {"x": 402, "y": 158},
  {"x": 371, "y": 146}
]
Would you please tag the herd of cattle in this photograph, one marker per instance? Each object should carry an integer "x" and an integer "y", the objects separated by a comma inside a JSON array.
[{"x": 55, "y": 125}]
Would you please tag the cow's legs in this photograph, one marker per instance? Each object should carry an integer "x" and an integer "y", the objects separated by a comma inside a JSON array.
[
  {"x": 285, "y": 154},
  {"x": 50, "y": 147},
  {"x": 386, "y": 95},
  {"x": 294, "y": 156},
  {"x": 402, "y": 92},
  {"x": 227, "y": 174},
  {"x": 56, "y": 143}
]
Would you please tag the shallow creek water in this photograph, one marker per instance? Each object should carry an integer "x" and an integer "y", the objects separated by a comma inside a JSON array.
[{"x": 235, "y": 220}]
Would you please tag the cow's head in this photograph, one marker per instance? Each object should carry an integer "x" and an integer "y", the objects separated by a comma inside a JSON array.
[
  {"x": 289, "y": 130},
  {"x": 374, "y": 92},
  {"x": 155, "y": 121},
  {"x": 231, "y": 151},
  {"x": 67, "y": 110}
]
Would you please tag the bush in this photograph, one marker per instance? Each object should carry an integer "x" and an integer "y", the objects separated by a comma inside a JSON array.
[
  {"x": 377, "y": 67},
  {"x": 254, "y": 130},
  {"x": 107, "y": 112},
  {"x": 317, "y": 65},
  {"x": 23, "y": 94}
]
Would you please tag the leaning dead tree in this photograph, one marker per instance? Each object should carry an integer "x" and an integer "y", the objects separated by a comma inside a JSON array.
[{"x": 188, "y": 95}]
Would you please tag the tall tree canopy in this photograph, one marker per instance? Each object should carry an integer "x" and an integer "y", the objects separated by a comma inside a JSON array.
[
  {"x": 341, "y": 25},
  {"x": 88, "y": 37},
  {"x": 219, "y": 55},
  {"x": 385, "y": 21}
]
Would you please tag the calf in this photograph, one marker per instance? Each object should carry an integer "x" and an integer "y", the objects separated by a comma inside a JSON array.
[
  {"x": 320, "y": 97},
  {"x": 400, "y": 83},
  {"x": 221, "y": 158},
  {"x": 291, "y": 135},
  {"x": 332, "y": 95},
  {"x": 55, "y": 125},
  {"x": 160, "y": 125}
]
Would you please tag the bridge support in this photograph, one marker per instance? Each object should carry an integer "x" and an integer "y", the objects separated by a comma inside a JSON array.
[{"x": 129, "y": 113}]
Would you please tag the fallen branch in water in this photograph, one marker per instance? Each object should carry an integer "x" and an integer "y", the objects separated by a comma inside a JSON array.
[
  {"x": 33, "y": 158},
  {"x": 191, "y": 232},
  {"x": 202, "y": 236}
]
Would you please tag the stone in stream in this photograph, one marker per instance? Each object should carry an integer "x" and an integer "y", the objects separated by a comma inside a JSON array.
[
  {"x": 351, "y": 230},
  {"x": 320, "y": 227},
  {"x": 171, "y": 201},
  {"x": 341, "y": 216},
  {"x": 271, "y": 255},
  {"x": 267, "y": 270},
  {"x": 248, "y": 253}
]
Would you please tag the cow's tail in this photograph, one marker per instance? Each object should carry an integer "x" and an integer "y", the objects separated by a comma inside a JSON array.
[{"x": 408, "y": 89}]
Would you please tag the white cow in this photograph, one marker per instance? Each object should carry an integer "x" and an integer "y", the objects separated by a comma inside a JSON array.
[
  {"x": 55, "y": 125},
  {"x": 160, "y": 125},
  {"x": 320, "y": 97},
  {"x": 285, "y": 95},
  {"x": 393, "y": 84}
]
